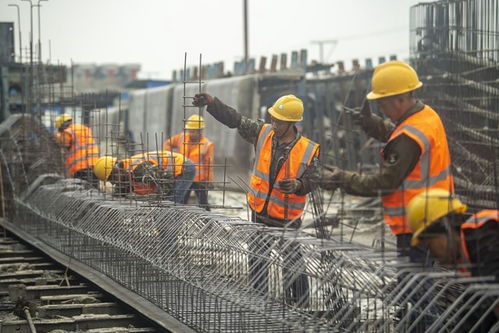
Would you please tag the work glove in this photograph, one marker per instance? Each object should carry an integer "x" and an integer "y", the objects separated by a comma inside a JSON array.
[
  {"x": 289, "y": 186},
  {"x": 332, "y": 177},
  {"x": 202, "y": 99},
  {"x": 360, "y": 116}
]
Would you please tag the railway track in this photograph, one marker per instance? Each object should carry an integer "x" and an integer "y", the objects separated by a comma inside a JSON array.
[{"x": 34, "y": 289}]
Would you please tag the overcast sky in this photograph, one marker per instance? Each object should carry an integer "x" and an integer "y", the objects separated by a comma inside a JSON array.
[{"x": 157, "y": 33}]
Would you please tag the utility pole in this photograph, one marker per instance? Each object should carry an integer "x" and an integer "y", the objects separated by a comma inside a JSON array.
[
  {"x": 39, "y": 33},
  {"x": 19, "y": 30},
  {"x": 245, "y": 18},
  {"x": 321, "y": 43},
  {"x": 30, "y": 85}
]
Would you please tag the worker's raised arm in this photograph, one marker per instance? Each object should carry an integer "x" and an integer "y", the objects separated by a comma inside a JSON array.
[
  {"x": 373, "y": 125},
  {"x": 247, "y": 128},
  {"x": 221, "y": 112}
]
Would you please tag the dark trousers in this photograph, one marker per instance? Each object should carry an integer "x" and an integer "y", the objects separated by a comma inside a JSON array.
[
  {"x": 295, "y": 285},
  {"x": 201, "y": 192}
]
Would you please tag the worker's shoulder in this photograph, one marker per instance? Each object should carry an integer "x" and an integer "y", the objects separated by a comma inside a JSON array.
[
  {"x": 207, "y": 141},
  {"x": 309, "y": 141}
]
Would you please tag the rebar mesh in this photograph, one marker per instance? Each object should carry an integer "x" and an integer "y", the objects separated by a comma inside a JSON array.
[
  {"x": 455, "y": 49},
  {"x": 207, "y": 269}
]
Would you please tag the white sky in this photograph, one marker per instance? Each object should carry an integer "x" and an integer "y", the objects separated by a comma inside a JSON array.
[{"x": 157, "y": 33}]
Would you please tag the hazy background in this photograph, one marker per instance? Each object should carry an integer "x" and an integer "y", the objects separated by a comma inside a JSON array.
[{"x": 157, "y": 33}]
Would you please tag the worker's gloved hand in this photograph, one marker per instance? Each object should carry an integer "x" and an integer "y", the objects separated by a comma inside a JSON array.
[
  {"x": 147, "y": 179},
  {"x": 360, "y": 116},
  {"x": 332, "y": 177},
  {"x": 289, "y": 186},
  {"x": 202, "y": 99}
]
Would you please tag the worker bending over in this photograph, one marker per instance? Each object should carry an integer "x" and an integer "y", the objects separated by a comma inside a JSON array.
[
  {"x": 280, "y": 179},
  {"x": 197, "y": 148},
  {"x": 468, "y": 243},
  {"x": 81, "y": 149},
  {"x": 156, "y": 172}
]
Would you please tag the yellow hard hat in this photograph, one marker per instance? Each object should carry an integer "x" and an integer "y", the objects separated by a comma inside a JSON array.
[
  {"x": 429, "y": 206},
  {"x": 393, "y": 78},
  {"x": 194, "y": 122},
  {"x": 287, "y": 108},
  {"x": 61, "y": 119},
  {"x": 104, "y": 166}
]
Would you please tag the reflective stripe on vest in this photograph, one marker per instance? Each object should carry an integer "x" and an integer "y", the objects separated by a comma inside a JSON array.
[
  {"x": 83, "y": 152},
  {"x": 191, "y": 150},
  {"x": 159, "y": 158},
  {"x": 431, "y": 171},
  {"x": 280, "y": 206},
  {"x": 171, "y": 162},
  {"x": 474, "y": 222}
]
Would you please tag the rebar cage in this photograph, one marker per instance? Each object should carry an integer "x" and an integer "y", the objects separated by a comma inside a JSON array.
[
  {"x": 219, "y": 273},
  {"x": 455, "y": 50}
]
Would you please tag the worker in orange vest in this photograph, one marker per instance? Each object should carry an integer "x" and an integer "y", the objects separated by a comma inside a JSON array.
[
  {"x": 468, "y": 243},
  {"x": 197, "y": 148},
  {"x": 158, "y": 172},
  {"x": 82, "y": 149},
  {"x": 416, "y": 155},
  {"x": 439, "y": 221},
  {"x": 279, "y": 182}
]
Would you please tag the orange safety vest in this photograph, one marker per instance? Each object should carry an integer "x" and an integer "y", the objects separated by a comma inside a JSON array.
[
  {"x": 474, "y": 222},
  {"x": 431, "y": 171},
  {"x": 281, "y": 206},
  {"x": 160, "y": 158},
  {"x": 83, "y": 151},
  {"x": 193, "y": 150}
]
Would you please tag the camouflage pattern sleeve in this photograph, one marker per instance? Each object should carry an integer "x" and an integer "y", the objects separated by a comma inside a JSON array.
[
  {"x": 249, "y": 129},
  {"x": 308, "y": 179},
  {"x": 401, "y": 156}
]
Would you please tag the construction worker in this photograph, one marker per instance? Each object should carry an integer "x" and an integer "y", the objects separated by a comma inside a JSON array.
[
  {"x": 279, "y": 182},
  {"x": 82, "y": 150},
  {"x": 156, "y": 172},
  {"x": 467, "y": 242},
  {"x": 197, "y": 148},
  {"x": 416, "y": 155},
  {"x": 439, "y": 222}
]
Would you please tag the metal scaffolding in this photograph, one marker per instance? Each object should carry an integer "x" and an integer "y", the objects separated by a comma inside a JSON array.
[{"x": 455, "y": 49}]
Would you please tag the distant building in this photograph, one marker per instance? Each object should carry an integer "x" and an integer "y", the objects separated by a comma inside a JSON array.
[{"x": 92, "y": 78}]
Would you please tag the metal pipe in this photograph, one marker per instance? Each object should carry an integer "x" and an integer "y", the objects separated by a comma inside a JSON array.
[
  {"x": 30, "y": 89},
  {"x": 30, "y": 33},
  {"x": 29, "y": 320},
  {"x": 19, "y": 29}
]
